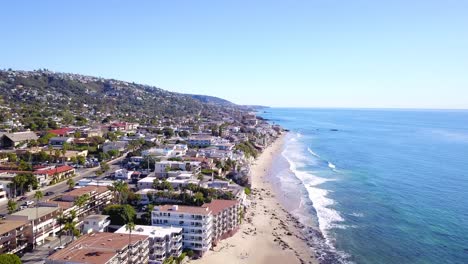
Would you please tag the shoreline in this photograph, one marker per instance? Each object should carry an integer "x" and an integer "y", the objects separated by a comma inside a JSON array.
[{"x": 268, "y": 233}]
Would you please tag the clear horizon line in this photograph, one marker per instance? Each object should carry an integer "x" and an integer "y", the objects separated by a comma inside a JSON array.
[{"x": 365, "y": 108}]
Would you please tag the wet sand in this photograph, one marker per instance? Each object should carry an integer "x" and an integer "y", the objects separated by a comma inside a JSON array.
[{"x": 268, "y": 234}]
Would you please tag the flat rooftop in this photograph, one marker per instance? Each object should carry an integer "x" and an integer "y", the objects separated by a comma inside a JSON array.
[
  {"x": 31, "y": 212},
  {"x": 96, "y": 217},
  {"x": 8, "y": 225},
  {"x": 95, "y": 248},
  {"x": 182, "y": 209},
  {"x": 151, "y": 231},
  {"x": 148, "y": 179}
]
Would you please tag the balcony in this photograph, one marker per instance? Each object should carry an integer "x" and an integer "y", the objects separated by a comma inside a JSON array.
[
  {"x": 135, "y": 250},
  {"x": 158, "y": 251},
  {"x": 177, "y": 246}
]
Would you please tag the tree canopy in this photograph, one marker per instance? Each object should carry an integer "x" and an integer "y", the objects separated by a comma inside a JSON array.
[{"x": 9, "y": 259}]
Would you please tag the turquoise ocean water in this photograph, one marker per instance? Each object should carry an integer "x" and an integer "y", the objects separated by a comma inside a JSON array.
[{"x": 382, "y": 186}]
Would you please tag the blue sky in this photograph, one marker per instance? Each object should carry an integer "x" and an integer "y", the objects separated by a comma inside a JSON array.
[{"x": 315, "y": 53}]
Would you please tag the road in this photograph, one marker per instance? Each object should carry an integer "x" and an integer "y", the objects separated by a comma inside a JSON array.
[{"x": 61, "y": 187}]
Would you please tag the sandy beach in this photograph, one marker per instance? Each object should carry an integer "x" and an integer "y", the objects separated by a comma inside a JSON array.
[{"x": 268, "y": 234}]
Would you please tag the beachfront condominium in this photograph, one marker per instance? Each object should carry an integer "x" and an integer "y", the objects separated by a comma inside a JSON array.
[
  {"x": 226, "y": 218},
  {"x": 164, "y": 241},
  {"x": 196, "y": 224},
  {"x": 104, "y": 248}
]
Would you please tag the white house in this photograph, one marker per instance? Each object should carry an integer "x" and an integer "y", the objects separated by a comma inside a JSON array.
[
  {"x": 182, "y": 179},
  {"x": 95, "y": 223},
  {"x": 123, "y": 174},
  {"x": 162, "y": 168},
  {"x": 146, "y": 183},
  {"x": 89, "y": 182},
  {"x": 201, "y": 141}
]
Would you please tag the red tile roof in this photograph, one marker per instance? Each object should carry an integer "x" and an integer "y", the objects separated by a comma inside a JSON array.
[
  {"x": 217, "y": 206},
  {"x": 51, "y": 172},
  {"x": 61, "y": 131}
]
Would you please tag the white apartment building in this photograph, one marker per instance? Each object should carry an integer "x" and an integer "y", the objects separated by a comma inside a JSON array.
[
  {"x": 164, "y": 241},
  {"x": 226, "y": 218},
  {"x": 196, "y": 224}
]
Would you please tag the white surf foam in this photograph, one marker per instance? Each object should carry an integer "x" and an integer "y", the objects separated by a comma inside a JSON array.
[
  {"x": 327, "y": 217},
  {"x": 357, "y": 214},
  {"x": 313, "y": 153}
]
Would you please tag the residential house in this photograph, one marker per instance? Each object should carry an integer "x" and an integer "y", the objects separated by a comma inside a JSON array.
[
  {"x": 123, "y": 174},
  {"x": 57, "y": 173},
  {"x": 123, "y": 127},
  {"x": 201, "y": 141},
  {"x": 162, "y": 168},
  {"x": 182, "y": 179},
  {"x": 117, "y": 145},
  {"x": 95, "y": 223},
  {"x": 62, "y": 132},
  {"x": 60, "y": 141},
  {"x": 146, "y": 183},
  {"x": 13, "y": 140}
]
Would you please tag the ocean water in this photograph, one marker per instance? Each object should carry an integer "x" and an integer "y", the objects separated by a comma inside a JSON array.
[{"x": 381, "y": 186}]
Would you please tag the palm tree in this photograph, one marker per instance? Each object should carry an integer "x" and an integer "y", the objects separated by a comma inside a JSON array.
[
  {"x": 119, "y": 188},
  {"x": 61, "y": 220},
  {"x": 81, "y": 201},
  {"x": 70, "y": 224},
  {"x": 130, "y": 226},
  {"x": 38, "y": 196},
  {"x": 12, "y": 205},
  {"x": 20, "y": 180},
  {"x": 71, "y": 184}
]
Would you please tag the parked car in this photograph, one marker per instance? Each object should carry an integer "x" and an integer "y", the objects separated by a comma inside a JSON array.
[
  {"x": 23, "y": 198},
  {"x": 28, "y": 203},
  {"x": 49, "y": 193},
  {"x": 56, "y": 249}
]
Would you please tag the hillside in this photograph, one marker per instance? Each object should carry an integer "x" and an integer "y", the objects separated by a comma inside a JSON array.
[
  {"x": 211, "y": 100},
  {"x": 32, "y": 96}
]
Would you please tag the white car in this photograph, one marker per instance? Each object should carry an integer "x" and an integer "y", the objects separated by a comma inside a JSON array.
[{"x": 28, "y": 203}]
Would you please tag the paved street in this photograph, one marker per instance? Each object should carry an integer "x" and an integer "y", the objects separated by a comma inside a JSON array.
[
  {"x": 39, "y": 254},
  {"x": 62, "y": 186}
]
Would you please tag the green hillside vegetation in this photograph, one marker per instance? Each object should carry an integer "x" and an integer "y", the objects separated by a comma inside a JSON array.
[{"x": 38, "y": 98}]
